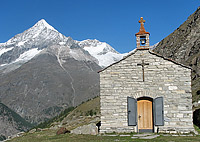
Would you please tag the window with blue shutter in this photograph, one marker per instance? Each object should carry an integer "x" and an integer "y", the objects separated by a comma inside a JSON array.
[
  {"x": 132, "y": 111},
  {"x": 158, "y": 111}
]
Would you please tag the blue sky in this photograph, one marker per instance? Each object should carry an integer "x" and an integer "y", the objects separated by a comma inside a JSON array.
[{"x": 111, "y": 21}]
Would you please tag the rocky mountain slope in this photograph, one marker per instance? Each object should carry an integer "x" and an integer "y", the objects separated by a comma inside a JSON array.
[
  {"x": 11, "y": 122},
  {"x": 183, "y": 45},
  {"x": 42, "y": 72}
]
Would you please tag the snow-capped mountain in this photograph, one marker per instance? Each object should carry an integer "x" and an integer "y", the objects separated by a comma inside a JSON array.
[
  {"x": 102, "y": 51},
  {"x": 23, "y": 47},
  {"x": 43, "y": 72}
]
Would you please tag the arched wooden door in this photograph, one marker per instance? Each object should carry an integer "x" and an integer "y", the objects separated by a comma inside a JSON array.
[{"x": 145, "y": 115}]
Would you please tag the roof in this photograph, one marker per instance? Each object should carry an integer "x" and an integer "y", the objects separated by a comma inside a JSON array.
[{"x": 151, "y": 52}]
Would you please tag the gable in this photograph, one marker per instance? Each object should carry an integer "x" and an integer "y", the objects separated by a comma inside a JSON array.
[{"x": 132, "y": 54}]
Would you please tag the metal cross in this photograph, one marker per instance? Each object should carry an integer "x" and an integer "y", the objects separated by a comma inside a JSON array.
[{"x": 143, "y": 64}]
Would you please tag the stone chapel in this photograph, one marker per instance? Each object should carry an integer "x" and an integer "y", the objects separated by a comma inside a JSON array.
[{"x": 145, "y": 92}]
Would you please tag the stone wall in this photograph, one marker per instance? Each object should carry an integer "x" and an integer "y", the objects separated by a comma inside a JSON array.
[{"x": 162, "y": 78}]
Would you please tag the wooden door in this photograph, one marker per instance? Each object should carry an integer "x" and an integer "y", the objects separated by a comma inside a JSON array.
[{"x": 145, "y": 116}]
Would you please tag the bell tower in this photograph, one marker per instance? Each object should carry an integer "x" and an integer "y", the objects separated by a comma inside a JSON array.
[{"x": 142, "y": 37}]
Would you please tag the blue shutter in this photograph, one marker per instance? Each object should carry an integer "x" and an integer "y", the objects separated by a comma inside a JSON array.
[
  {"x": 132, "y": 111},
  {"x": 158, "y": 112}
]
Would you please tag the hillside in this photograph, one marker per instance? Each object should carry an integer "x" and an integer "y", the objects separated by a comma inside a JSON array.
[
  {"x": 183, "y": 45},
  {"x": 11, "y": 123},
  {"x": 75, "y": 117}
]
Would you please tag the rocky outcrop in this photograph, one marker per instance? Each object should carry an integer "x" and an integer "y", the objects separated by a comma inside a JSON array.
[
  {"x": 62, "y": 130},
  {"x": 90, "y": 129},
  {"x": 183, "y": 46}
]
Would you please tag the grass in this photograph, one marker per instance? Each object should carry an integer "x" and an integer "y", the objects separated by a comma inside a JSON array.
[
  {"x": 50, "y": 136},
  {"x": 197, "y": 129},
  {"x": 73, "y": 119}
]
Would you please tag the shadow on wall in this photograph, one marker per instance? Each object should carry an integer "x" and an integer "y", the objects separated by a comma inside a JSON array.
[
  {"x": 196, "y": 117},
  {"x": 98, "y": 126}
]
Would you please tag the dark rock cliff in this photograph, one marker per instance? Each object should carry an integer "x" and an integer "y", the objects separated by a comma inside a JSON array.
[{"x": 183, "y": 45}]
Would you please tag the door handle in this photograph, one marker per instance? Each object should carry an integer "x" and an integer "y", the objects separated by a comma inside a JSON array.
[{"x": 139, "y": 116}]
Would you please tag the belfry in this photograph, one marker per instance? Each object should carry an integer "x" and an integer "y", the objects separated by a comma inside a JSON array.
[{"x": 142, "y": 37}]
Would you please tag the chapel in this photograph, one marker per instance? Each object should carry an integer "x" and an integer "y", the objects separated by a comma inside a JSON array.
[{"x": 145, "y": 92}]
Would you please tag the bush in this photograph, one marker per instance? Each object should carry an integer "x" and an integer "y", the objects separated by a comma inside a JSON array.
[
  {"x": 91, "y": 113},
  {"x": 2, "y": 137},
  {"x": 196, "y": 117}
]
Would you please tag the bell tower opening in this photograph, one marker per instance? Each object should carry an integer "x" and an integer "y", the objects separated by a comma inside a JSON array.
[{"x": 142, "y": 40}]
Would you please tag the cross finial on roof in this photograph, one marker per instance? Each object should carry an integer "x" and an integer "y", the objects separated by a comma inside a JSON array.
[
  {"x": 141, "y": 21},
  {"x": 142, "y": 29}
]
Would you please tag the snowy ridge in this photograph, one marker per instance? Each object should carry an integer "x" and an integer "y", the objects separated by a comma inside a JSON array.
[
  {"x": 24, "y": 46},
  {"x": 43, "y": 23},
  {"x": 109, "y": 58},
  {"x": 26, "y": 56},
  {"x": 32, "y": 34},
  {"x": 3, "y": 50},
  {"x": 41, "y": 36},
  {"x": 102, "y": 51}
]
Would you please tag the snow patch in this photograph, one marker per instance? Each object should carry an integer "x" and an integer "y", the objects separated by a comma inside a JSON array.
[
  {"x": 43, "y": 23},
  {"x": 62, "y": 43},
  {"x": 77, "y": 55},
  {"x": 28, "y": 55},
  {"x": 3, "y": 65},
  {"x": 36, "y": 34},
  {"x": 3, "y": 50},
  {"x": 153, "y": 46},
  {"x": 94, "y": 50},
  {"x": 109, "y": 58},
  {"x": 103, "y": 52},
  {"x": 61, "y": 36},
  {"x": 21, "y": 43}
]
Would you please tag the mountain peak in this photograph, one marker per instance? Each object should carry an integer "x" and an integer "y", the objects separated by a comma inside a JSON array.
[
  {"x": 41, "y": 28},
  {"x": 43, "y": 24}
]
